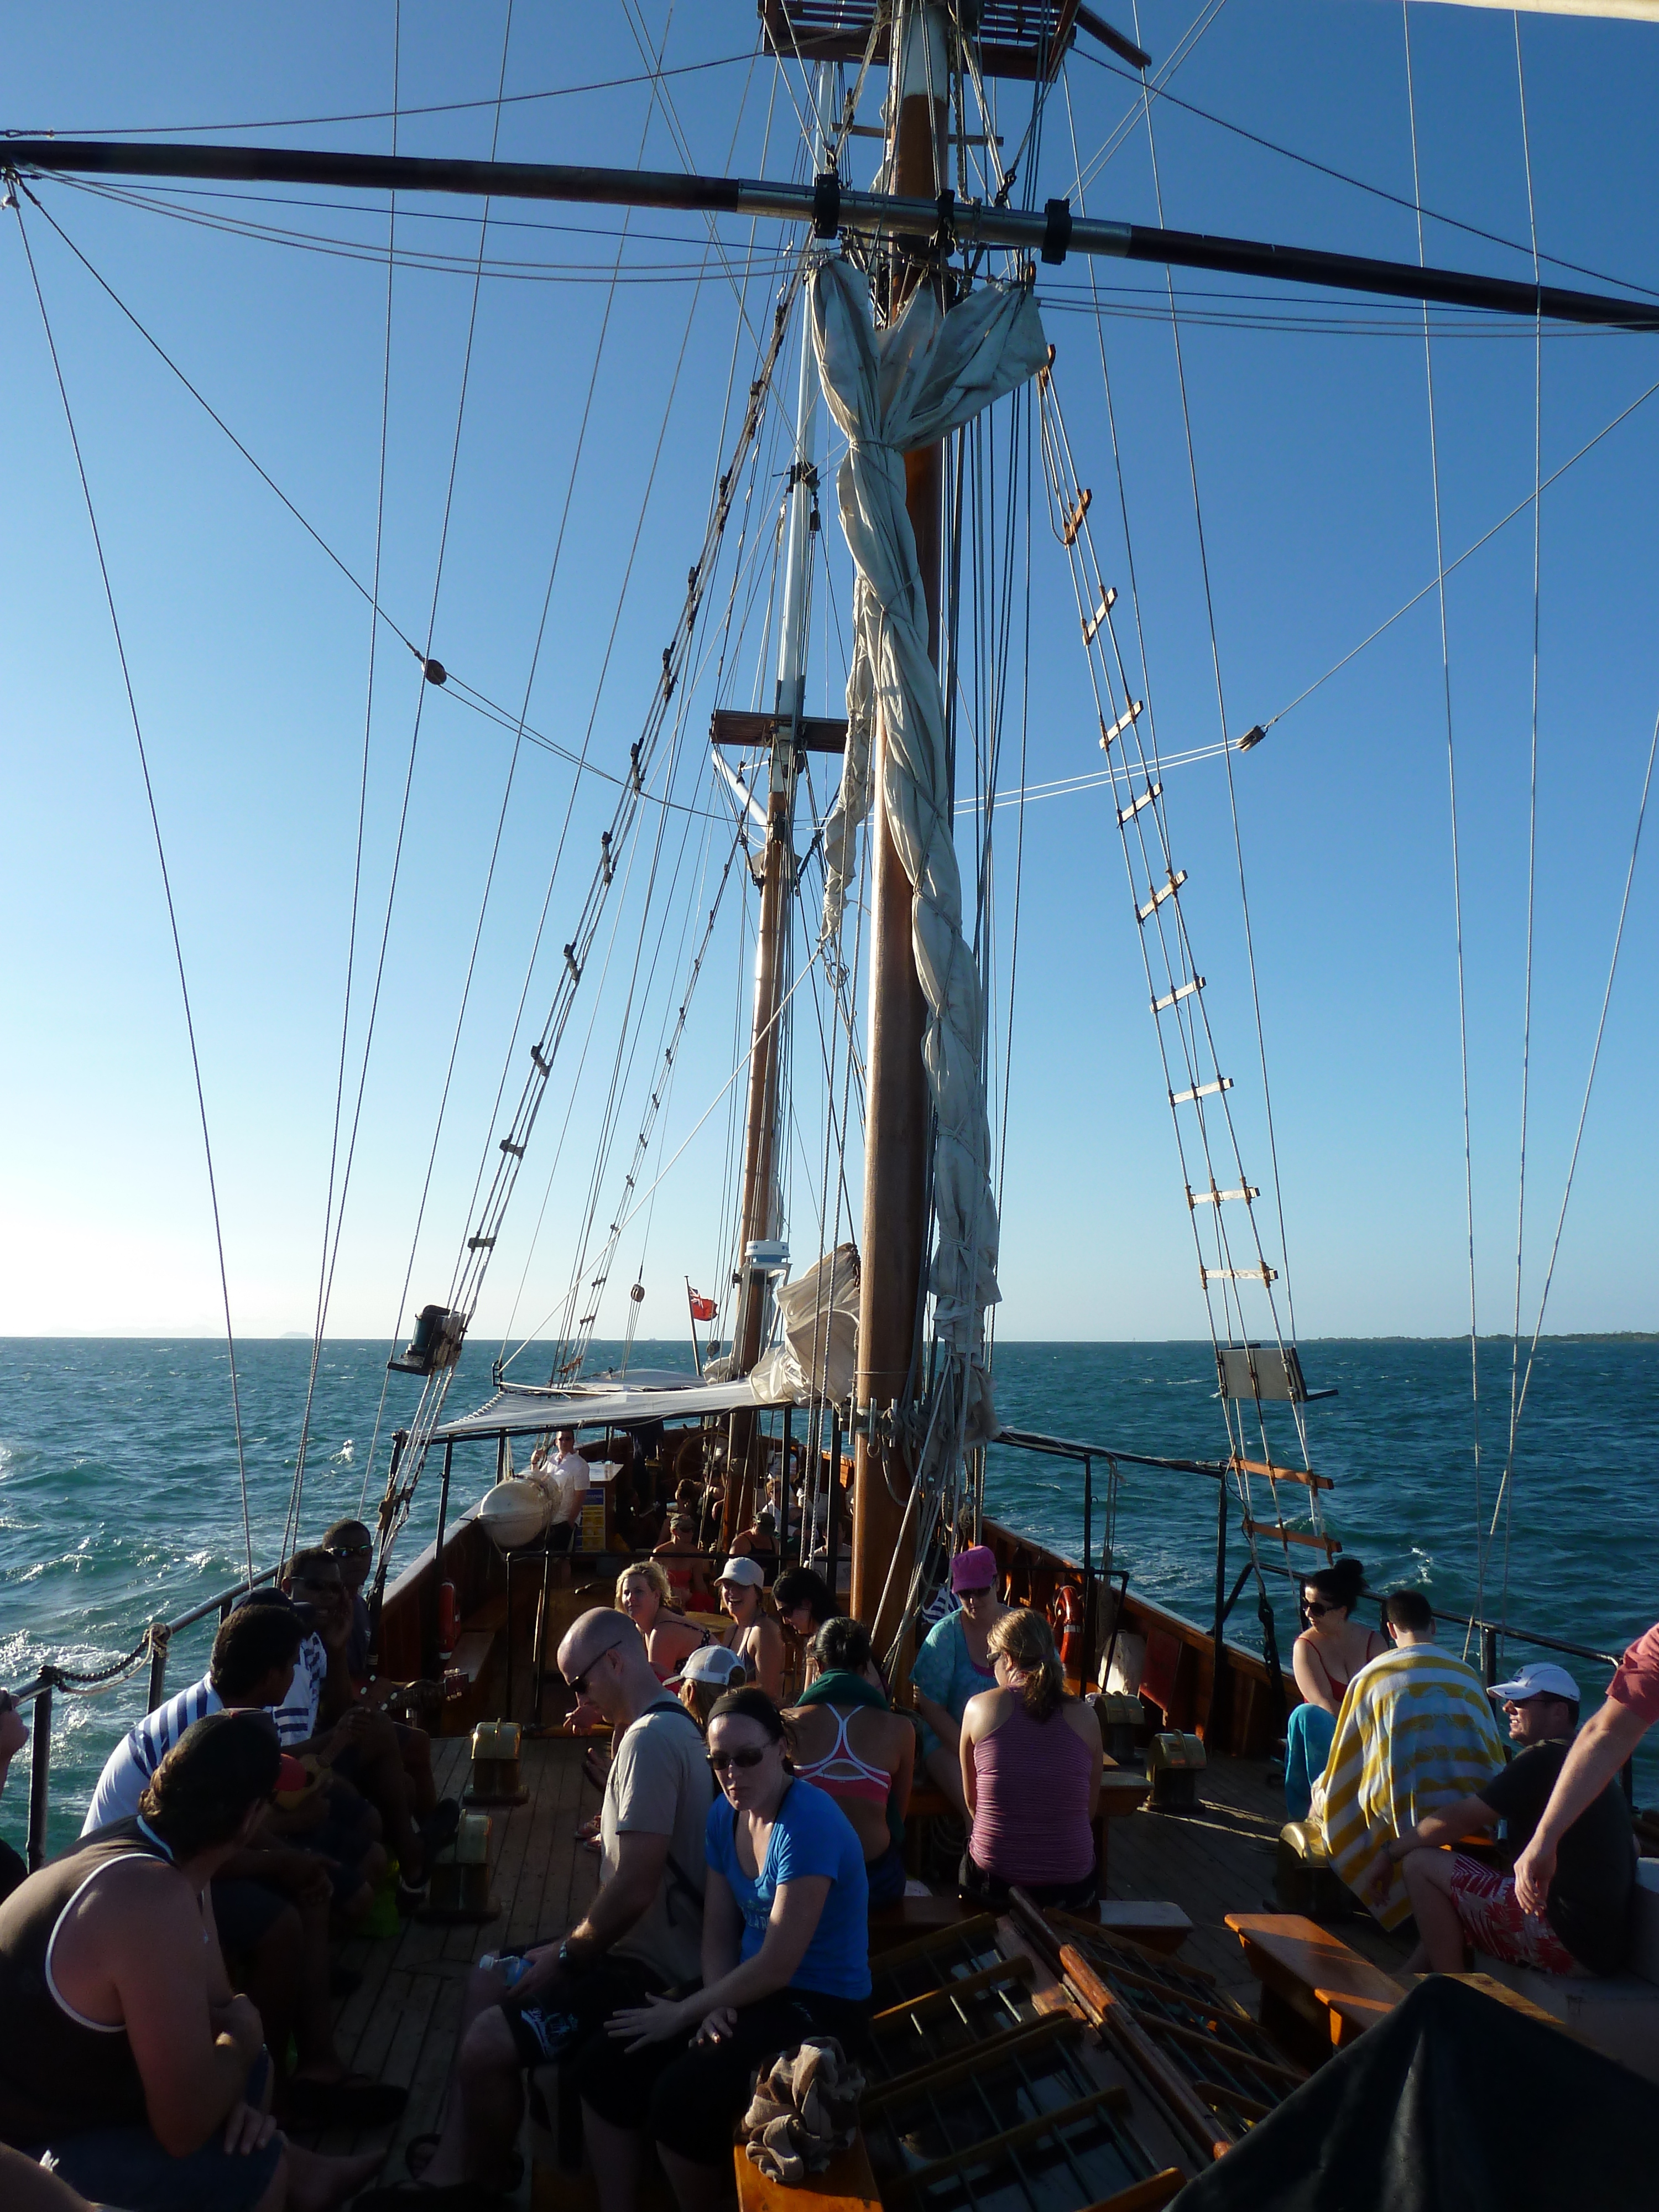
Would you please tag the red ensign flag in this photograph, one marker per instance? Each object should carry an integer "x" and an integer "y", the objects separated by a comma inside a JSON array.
[{"x": 702, "y": 1309}]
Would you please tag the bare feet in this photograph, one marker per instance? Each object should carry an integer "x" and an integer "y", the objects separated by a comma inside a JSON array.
[{"x": 316, "y": 2183}]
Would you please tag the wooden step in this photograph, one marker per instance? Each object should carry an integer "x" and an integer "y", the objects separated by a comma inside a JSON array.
[
  {"x": 1278, "y": 1533},
  {"x": 1276, "y": 1474},
  {"x": 1159, "y": 1927}
]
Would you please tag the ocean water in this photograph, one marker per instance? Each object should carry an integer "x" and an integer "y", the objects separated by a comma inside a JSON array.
[{"x": 119, "y": 1501}]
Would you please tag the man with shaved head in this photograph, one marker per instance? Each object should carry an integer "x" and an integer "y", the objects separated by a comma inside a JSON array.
[{"x": 641, "y": 1935}]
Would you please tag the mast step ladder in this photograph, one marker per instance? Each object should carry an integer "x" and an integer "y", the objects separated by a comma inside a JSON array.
[
  {"x": 1092, "y": 627},
  {"x": 1174, "y": 998},
  {"x": 1200, "y": 1091},
  {"x": 1171, "y": 884},
  {"x": 1279, "y": 1533},
  {"x": 1274, "y": 1474},
  {"x": 1126, "y": 720}
]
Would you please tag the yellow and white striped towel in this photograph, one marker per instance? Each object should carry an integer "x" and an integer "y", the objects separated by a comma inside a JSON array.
[{"x": 1416, "y": 1731}]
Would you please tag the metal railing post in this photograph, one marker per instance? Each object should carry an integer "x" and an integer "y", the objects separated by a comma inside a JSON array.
[
  {"x": 159, "y": 1637},
  {"x": 39, "y": 1773}
]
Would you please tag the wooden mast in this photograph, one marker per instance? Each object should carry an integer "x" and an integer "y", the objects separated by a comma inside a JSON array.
[{"x": 897, "y": 1114}]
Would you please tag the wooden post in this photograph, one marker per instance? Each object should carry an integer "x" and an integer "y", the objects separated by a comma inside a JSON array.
[
  {"x": 898, "y": 1113},
  {"x": 1215, "y": 1723}
]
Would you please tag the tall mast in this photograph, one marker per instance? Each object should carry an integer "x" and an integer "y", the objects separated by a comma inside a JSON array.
[
  {"x": 897, "y": 1118},
  {"x": 759, "y": 1207}
]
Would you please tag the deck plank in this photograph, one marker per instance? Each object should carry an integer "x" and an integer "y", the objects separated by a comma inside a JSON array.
[
  {"x": 402, "y": 2021},
  {"x": 1220, "y": 1860}
]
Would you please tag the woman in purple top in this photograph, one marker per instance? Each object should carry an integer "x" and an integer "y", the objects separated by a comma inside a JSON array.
[{"x": 1030, "y": 1772}]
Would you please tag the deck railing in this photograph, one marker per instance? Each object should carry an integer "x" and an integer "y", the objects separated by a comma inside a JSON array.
[{"x": 153, "y": 1644}]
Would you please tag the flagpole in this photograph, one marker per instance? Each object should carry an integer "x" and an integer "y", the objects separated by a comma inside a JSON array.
[{"x": 692, "y": 1319}]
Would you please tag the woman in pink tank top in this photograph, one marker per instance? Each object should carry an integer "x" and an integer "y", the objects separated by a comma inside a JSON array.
[{"x": 1031, "y": 1772}]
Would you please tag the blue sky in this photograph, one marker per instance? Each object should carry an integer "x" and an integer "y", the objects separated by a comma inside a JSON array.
[{"x": 249, "y": 658}]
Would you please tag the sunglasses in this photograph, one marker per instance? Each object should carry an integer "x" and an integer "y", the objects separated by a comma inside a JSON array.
[
  {"x": 579, "y": 1683},
  {"x": 351, "y": 1551},
  {"x": 1318, "y": 1612},
  {"x": 724, "y": 1761},
  {"x": 316, "y": 1582}
]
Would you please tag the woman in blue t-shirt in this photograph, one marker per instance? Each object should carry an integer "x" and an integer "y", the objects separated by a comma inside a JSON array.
[{"x": 786, "y": 1955}]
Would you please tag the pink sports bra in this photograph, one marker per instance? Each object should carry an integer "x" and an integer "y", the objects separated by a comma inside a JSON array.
[{"x": 843, "y": 1773}]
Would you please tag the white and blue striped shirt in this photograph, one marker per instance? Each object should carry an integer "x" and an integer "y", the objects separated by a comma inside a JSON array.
[
  {"x": 296, "y": 1716},
  {"x": 141, "y": 1751}
]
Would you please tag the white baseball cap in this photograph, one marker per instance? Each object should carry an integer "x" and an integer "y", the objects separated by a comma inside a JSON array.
[
  {"x": 743, "y": 1570},
  {"x": 1541, "y": 1680},
  {"x": 712, "y": 1663}
]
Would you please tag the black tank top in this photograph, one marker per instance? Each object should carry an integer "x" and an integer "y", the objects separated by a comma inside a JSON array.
[{"x": 60, "y": 2075}]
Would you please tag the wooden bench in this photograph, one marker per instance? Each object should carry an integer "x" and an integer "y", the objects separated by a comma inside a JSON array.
[
  {"x": 909, "y": 1916},
  {"x": 846, "y": 2185},
  {"x": 1159, "y": 1927},
  {"x": 1317, "y": 1995}
]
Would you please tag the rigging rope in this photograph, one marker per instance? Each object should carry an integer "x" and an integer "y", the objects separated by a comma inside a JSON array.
[
  {"x": 325, "y": 1271},
  {"x": 296, "y": 1498},
  {"x": 1457, "y": 883},
  {"x": 1506, "y": 1487},
  {"x": 1221, "y": 712},
  {"x": 162, "y": 857},
  {"x": 1584, "y": 1110}
]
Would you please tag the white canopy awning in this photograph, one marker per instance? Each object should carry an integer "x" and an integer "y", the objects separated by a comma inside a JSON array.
[{"x": 601, "y": 1404}]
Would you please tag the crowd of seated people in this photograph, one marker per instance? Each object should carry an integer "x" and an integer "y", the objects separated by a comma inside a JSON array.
[
  {"x": 343, "y": 1788},
  {"x": 743, "y": 1844},
  {"x": 1396, "y": 1752}
]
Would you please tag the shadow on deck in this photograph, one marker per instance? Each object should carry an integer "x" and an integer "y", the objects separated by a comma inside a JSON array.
[
  {"x": 1218, "y": 1860},
  {"x": 400, "y": 2024}
]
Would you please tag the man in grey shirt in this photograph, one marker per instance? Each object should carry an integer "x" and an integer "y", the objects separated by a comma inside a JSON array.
[{"x": 642, "y": 1934}]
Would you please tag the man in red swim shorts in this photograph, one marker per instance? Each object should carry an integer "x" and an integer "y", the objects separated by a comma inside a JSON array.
[{"x": 1580, "y": 1925}]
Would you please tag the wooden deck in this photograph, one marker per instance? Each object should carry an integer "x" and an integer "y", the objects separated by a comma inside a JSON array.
[
  {"x": 400, "y": 2023},
  {"x": 1220, "y": 1860}
]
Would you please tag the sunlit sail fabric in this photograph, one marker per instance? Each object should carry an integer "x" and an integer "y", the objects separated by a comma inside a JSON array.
[{"x": 891, "y": 391}]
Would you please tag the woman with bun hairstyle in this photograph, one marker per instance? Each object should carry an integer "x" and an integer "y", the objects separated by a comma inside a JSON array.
[
  {"x": 1030, "y": 1773},
  {"x": 1330, "y": 1651}
]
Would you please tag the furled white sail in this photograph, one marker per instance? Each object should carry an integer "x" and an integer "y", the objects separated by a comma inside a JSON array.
[
  {"x": 889, "y": 392},
  {"x": 1644, "y": 11}
]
